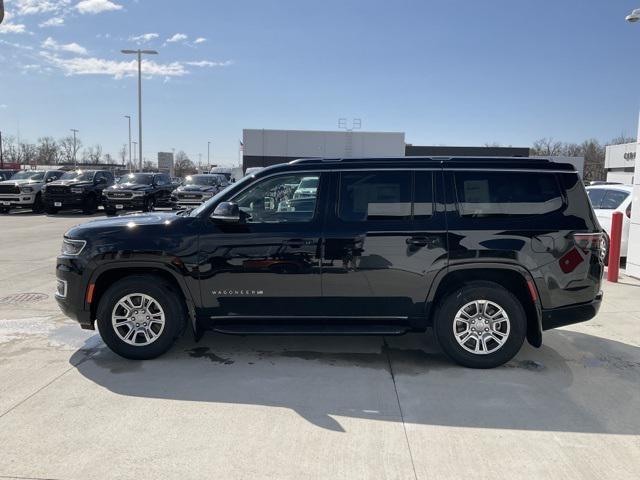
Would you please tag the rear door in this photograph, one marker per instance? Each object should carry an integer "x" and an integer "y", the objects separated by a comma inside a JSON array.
[{"x": 384, "y": 241}]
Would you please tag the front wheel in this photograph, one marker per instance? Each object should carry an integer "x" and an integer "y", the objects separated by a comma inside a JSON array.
[
  {"x": 38, "y": 205},
  {"x": 140, "y": 317},
  {"x": 481, "y": 325},
  {"x": 90, "y": 205},
  {"x": 149, "y": 204}
]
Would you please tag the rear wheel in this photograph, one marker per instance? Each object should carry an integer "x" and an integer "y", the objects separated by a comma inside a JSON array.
[
  {"x": 481, "y": 325},
  {"x": 4, "y": 210},
  {"x": 140, "y": 317},
  {"x": 604, "y": 249}
]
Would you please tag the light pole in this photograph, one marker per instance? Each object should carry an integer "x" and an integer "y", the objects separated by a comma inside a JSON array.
[
  {"x": 139, "y": 53},
  {"x": 208, "y": 154},
  {"x": 129, "y": 118},
  {"x": 75, "y": 162},
  {"x": 134, "y": 156}
]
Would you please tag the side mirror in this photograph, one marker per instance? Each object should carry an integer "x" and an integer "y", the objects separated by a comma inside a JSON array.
[
  {"x": 227, "y": 212},
  {"x": 50, "y": 179}
]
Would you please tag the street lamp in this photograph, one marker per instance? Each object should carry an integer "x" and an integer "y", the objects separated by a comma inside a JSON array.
[
  {"x": 139, "y": 53},
  {"x": 134, "y": 156},
  {"x": 129, "y": 118},
  {"x": 208, "y": 154},
  {"x": 75, "y": 162}
]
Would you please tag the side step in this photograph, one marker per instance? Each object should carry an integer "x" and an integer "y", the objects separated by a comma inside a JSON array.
[{"x": 309, "y": 329}]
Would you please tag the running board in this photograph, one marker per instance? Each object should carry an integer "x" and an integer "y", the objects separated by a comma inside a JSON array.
[{"x": 301, "y": 329}]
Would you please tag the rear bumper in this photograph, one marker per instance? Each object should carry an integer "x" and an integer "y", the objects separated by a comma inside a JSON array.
[{"x": 559, "y": 317}]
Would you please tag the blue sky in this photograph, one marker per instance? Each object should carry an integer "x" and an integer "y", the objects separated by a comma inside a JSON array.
[{"x": 445, "y": 72}]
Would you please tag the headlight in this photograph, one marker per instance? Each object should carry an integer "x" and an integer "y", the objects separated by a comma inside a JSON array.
[
  {"x": 77, "y": 190},
  {"x": 72, "y": 247},
  {"x": 26, "y": 189},
  {"x": 137, "y": 194}
]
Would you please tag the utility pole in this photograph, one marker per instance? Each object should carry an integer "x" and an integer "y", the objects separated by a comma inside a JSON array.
[
  {"x": 134, "y": 157},
  {"x": 208, "y": 153},
  {"x": 1, "y": 155},
  {"x": 129, "y": 118},
  {"x": 75, "y": 161},
  {"x": 139, "y": 53}
]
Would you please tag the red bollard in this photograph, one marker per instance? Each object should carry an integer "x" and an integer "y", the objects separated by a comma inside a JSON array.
[{"x": 614, "y": 247}]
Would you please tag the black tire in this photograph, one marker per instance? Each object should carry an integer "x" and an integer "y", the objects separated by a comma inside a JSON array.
[
  {"x": 50, "y": 210},
  {"x": 149, "y": 204},
  {"x": 110, "y": 211},
  {"x": 444, "y": 321},
  {"x": 90, "y": 205},
  {"x": 4, "y": 210},
  {"x": 605, "y": 241},
  {"x": 164, "y": 294},
  {"x": 38, "y": 205}
]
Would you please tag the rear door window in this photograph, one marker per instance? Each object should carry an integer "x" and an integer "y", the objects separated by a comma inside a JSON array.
[
  {"x": 375, "y": 196},
  {"x": 612, "y": 199},
  {"x": 507, "y": 194}
]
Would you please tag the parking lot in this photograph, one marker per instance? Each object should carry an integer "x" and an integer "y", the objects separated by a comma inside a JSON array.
[{"x": 303, "y": 407}]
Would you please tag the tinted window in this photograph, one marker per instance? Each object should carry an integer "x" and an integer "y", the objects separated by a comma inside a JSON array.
[
  {"x": 371, "y": 196},
  {"x": 506, "y": 194},
  {"x": 595, "y": 196},
  {"x": 612, "y": 199},
  {"x": 274, "y": 200},
  {"x": 423, "y": 203}
]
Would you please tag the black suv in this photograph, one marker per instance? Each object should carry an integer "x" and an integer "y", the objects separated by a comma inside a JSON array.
[
  {"x": 487, "y": 251},
  {"x": 77, "y": 189},
  {"x": 198, "y": 189},
  {"x": 139, "y": 191}
]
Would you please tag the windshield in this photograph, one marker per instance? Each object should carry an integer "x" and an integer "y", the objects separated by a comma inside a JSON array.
[
  {"x": 140, "y": 178},
  {"x": 69, "y": 176},
  {"x": 216, "y": 198},
  {"x": 85, "y": 176},
  {"x": 28, "y": 175},
  {"x": 209, "y": 180}
]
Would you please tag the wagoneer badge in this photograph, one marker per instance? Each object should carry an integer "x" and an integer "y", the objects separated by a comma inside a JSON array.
[{"x": 237, "y": 292}]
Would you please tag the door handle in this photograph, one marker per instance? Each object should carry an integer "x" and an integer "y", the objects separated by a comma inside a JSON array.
[{"x": 420, "y": 241}]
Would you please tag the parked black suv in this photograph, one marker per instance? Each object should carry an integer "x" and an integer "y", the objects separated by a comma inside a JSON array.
[
  {"x": 139, "y": 191},
  {"x": 198, "y": 189},
  {"x": 487, "y": 251},
  {"x": 77, "y": 189}
]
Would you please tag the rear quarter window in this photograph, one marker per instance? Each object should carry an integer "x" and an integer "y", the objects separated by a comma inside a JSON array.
[{"x": 507, "y": 194}]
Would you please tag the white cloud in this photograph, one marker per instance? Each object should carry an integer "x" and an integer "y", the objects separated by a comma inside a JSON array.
[
  {"x": 116, "y": 69},
  {"x": 51, "y": 44},
  {"x": 93, "y": 7},
  {"x": 3, "y": 106},
  {"x": 35, "y": 7},
  {"x": 199, "y": 40},
  {"x": 13, "y": 28},
  {"x": 207, "y": 63},
  {"x": 52, "y": 22},
  {"x": 144, "y": 38},
  {"x": 178, "y": 37}
]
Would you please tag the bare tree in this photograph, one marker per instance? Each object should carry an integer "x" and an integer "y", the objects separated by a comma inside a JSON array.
[
  {"x": 546, "y": 147},
  {"x": 67, "y": 152},
  {"x": 92, "y": 154},
  {"x": 47, "y": 151},
  {"x": 28, "y": 153},
  {"x": 107, "y": 158},
  {"x": 11, "y": 151},
  {"x": 148, "y": 166},
  {"x": 122, "y": 154},
  {"x": 182, "y": 165}
]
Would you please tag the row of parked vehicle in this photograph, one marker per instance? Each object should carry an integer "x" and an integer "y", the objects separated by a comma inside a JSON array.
[{"x": 51, "y": 191}]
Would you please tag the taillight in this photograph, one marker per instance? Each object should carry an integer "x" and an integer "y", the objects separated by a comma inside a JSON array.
[
  {"x": 628, "y": 211},
  {"x": 589, "y": 242}
]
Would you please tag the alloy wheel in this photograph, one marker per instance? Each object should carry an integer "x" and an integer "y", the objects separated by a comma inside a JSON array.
[
  {"x": 138, "y": 319},
  {"x": 481, "y": 327}
]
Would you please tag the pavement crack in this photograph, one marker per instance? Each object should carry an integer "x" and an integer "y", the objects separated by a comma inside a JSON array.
[{"x": 395, "y": 388}]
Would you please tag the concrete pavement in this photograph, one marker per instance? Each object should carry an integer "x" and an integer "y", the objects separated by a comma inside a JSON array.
[{"x": 304, "y": 407}]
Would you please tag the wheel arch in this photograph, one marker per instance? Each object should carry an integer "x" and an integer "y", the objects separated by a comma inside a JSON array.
[
  {"x": 106, "y": 275},
  {"x": 514, "y": 278}
]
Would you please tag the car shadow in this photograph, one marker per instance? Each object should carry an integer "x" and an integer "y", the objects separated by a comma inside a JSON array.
[{"x": 574, "y": 383}]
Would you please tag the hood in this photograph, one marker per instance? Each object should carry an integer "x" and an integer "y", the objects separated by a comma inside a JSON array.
[
  {"x": 71, "y": 183},
  {"x": 129, "y": 187},
  {"x": 198, "y": 188},
  {"x": 125, "y": 221},
  {"x": 25, "y": 181}
]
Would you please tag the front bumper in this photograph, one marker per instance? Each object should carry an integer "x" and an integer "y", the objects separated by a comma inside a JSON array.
[
  {"x": 73, "y": 303},
  {"x": 74, "y": 200},
  {"x": 582, "y": 312},
  {"x": 17, "y": 199}
]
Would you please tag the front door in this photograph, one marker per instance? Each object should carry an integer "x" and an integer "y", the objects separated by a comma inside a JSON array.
[
  {"x": 385, "y": 242},
  {"x": 268, "y": 265}
]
